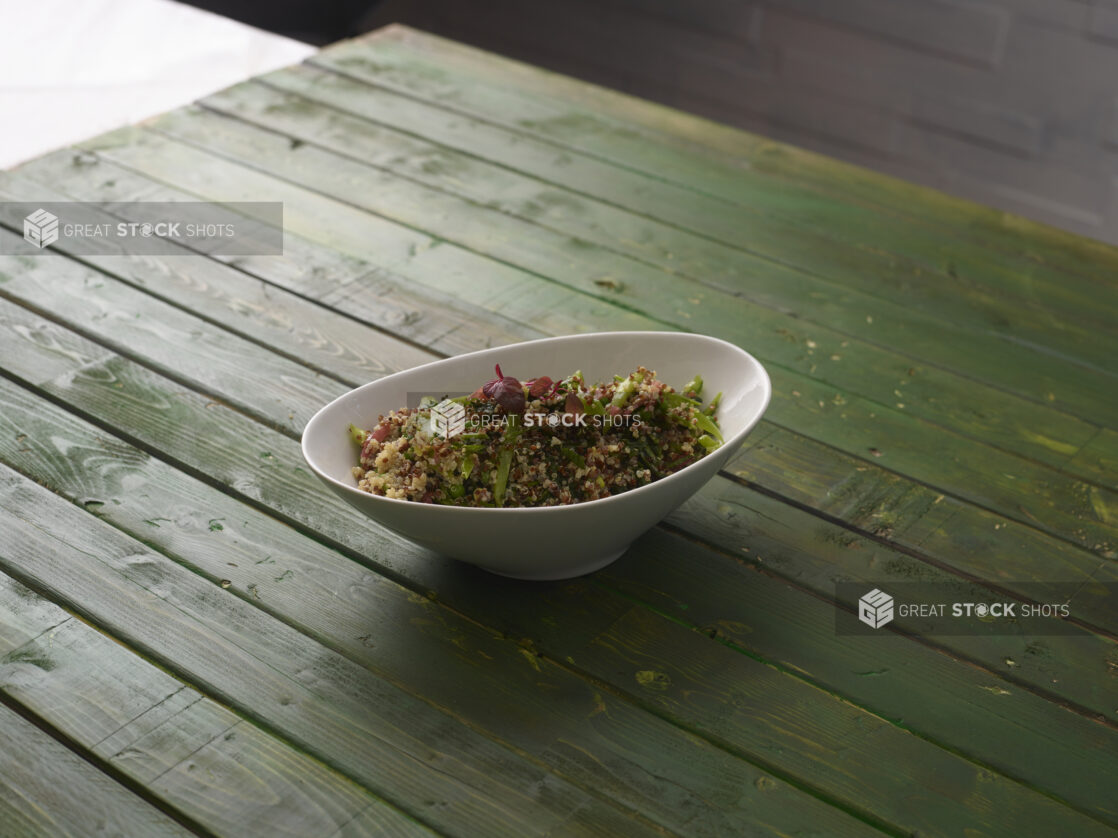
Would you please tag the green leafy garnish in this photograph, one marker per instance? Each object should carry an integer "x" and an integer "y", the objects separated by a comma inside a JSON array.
[
  {"x": 710, "y": 409},
  {"x": 573, "y": 456},
  {"x": 357, "y": 435},
  {"x": 708, "y": 442},
  {"x": 504, "y": 466},
  {"x": 676, "y": 399},
  {"x": 626, "y": 390},
  {"x": 707, "y": 424}
]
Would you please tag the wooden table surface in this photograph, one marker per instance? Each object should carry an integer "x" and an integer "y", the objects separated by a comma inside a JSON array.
[{"x": 195, "y": 637}]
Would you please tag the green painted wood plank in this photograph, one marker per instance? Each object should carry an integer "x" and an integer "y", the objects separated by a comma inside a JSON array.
[
  {"x": 872, "y": 499},
  {"x": 1031, "y": 570},
  {"x": 325, "y": 520},
  {"x": 267, "y": 452},
  {"x": 1003, "y": 355},
  {"x": 741, "y": 702},
  {"x": 678, "y": 780},
  {"x": 703, "y": 155},
  {"x": 88, "y": 687},
  {"x": 335, "y": 710},
  {"x": 273, "y": 317},
  {"x": 672, "y": 299},
  {"x": 940, "y": 762},
  {"x": 848, "y": 365},
  {"x": 291, "y": 800},
  {"x": 47, "y": 790},
  {"x": 26, "y": 615},
  {"x": 971, "y": 712},
  {"x": 1020, "y": 241},
  {"x": 376, "y": 822},
  {"x": 742, "y": 227},
  {"x": 1030, "y": 494},
  {"x": 306, "y": 272},
  {"x": 55, "y": 291},
  {"x": 433, "y": 263},
  {"x": 760, "y": 531},
  {"x": 169, "y": 732},
  {"x": 1098, "y": 457},
  {"x": 1070, "y": 509},
  {"x": 226, "y": 775},
  {"x": 124, "y": 317}
]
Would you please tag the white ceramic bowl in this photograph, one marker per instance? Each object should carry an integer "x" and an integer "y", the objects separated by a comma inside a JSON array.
[{"x": 556, "y": 542}]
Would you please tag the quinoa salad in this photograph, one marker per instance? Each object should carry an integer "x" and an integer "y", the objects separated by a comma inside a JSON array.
[{"x": 537, "y": 443}]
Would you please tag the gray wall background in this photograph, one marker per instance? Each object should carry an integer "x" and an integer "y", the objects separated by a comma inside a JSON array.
[{"x": 1012, "y": 103}]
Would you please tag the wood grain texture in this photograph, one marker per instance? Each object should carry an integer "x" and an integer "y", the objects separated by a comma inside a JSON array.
[
  {"x": 678, "y": 780},
  {"x": 26, "y": 615},
  {"x": 1100, "y": 455},
  {"x": 676, "y": 300},
  {"x": 879, "y": 502},
  {"x": 377, "y": 822},
  {"x": 1035, "y": 807},
  {"x": 693, "y": 152},
  {"x": 821, "y": 294},
  {"x": 279, "y": 309},
  {"x": 863, "y": 505},
  {"x": 1018, "y": 488},
  {"x": 883, "y": 505},
  {"x": 198, "y": 757},
  {"x": 738, "y": 701},
  {"x": 559, "y": 615},
  {"x": 225, "y": 296},
  {"x": 437, "y": 201},
  {"x": 47, "y": 790},
  {"x": 125, "y": 319},
  {"x": 152, "y": 408},
  {"x": 747, "y": 228},
  {"x": 431, "y": 262},
  {"x": 756, "y": 529},
  {"x": 768, "y": 537},
  {"x": 215, "y": 383},
  {"x": 861, "y": 493},
  {"x": 337, "y": 711}
]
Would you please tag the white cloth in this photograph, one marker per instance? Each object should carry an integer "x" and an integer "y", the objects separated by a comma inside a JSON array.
[{"x": 72, "y": 69}]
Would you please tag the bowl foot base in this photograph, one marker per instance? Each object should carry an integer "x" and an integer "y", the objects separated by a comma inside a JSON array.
[{"x": 594, "y": 564}]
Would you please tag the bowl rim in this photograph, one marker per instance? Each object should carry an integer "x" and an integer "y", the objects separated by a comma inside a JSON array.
[{"x": 732, "y": 443}]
